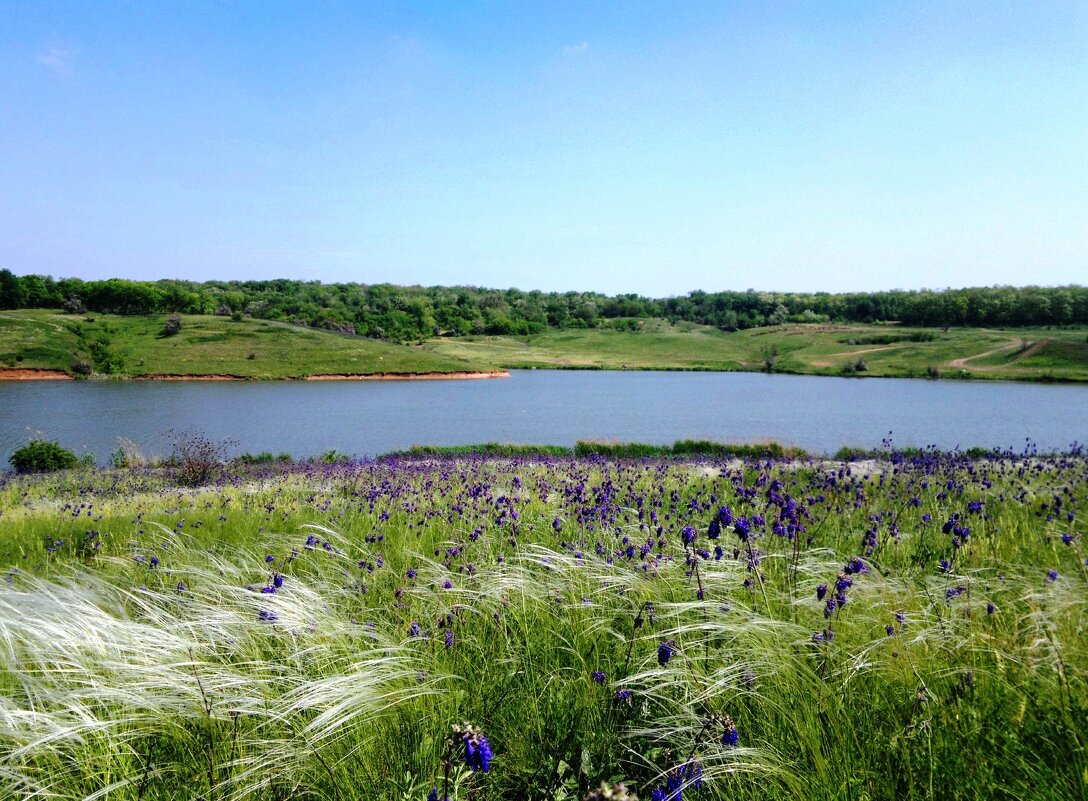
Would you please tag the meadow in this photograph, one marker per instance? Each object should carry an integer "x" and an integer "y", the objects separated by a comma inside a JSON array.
[
  {"x": 1013, "y": 354},
  {"x": 899, "y": 626},
  {"x": 124, "y": 346}
]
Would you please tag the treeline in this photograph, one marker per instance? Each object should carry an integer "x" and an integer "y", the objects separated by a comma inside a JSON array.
[{"x": 406, "y": 313}]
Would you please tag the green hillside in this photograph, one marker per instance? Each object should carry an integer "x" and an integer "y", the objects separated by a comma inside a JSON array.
[
  {"x": 1024, "y": 354},
  {"x": 127, "y": 346},
  {"x": 135, "y": 345}
]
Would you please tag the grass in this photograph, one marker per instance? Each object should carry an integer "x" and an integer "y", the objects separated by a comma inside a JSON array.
[
  {"x": 142, "y": 657},
  {"x": 889, "y": 351},
  {"x": 133, "y": 345},
  {"x": 206, "y": 345}
]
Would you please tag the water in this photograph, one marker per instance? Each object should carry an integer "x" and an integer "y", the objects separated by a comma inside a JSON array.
[{"x": 544, "y": 407}]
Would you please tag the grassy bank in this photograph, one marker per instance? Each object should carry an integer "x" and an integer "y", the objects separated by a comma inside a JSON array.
[
  {"x": 769, "y": 630},
  {"x": 853, "y": 350},
  {"x": 125, "y": 346}
]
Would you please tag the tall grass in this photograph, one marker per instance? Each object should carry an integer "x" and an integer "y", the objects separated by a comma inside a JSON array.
[{"x": 143, "y": 656}]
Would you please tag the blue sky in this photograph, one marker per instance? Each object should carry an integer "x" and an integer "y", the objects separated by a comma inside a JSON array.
[{"x": 651, "y": 147}]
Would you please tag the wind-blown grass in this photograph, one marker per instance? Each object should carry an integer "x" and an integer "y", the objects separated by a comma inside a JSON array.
[{"x": 308, "y": 630}]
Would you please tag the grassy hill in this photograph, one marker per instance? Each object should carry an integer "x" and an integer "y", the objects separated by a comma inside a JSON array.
[
  {"x": 1036, "y": 354},
  {"x": 127, "y": 346}
]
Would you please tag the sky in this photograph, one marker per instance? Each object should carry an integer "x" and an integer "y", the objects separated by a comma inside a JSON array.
[{"x": 649, "y": 147}]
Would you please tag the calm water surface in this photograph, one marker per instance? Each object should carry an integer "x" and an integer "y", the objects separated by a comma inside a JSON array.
[{"x": 544, "y": 406}]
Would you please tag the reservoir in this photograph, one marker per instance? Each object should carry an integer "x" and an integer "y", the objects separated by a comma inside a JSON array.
[{"x": 365, "y": 418}]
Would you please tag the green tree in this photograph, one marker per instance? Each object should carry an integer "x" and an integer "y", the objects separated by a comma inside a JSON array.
[{"x": 11, "y": 290}]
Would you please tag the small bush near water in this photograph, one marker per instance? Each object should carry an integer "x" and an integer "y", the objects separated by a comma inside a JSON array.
[
  {"x": 40, "y": 456},
  {"x": 264, "y": 457},
  {"x": 908, "y": 627},
  {"x": 197, "y": 457}
]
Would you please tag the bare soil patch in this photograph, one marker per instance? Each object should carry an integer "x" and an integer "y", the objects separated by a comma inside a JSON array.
[{"x": 32, "y": 374}]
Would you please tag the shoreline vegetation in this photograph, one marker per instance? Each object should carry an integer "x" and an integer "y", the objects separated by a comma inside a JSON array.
[
  {"x": 743, "y": 624},
  {"x": 39, "y": 344},
  {"x": 215, "y": 455}
]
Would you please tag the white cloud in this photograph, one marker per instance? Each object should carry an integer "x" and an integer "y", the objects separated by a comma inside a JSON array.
[
  {"x": 576, "y": 49},
  {"x": 55, "y": 59}
]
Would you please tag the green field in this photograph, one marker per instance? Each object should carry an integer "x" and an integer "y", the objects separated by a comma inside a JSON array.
[
  {"x": 125, "y": 346},
  {"x": 905, "y": 627},
  {"x": 1013, "y": 354}
]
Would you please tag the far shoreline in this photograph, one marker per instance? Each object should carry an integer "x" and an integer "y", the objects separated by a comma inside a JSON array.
[
  {"x": 42, "y": 374},
  {"x": 963, "y": 376}
]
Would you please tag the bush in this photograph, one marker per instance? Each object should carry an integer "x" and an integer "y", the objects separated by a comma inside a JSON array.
[
  {"x": 40, "y": 456},
  {"x": 81, "y": 367},
  {"x": 197, "y": 457},
  {"x": 128, "y": 454},
  {"x": 480, "y": 449},
  {"x": 264, "y": 457},
  {"x": 173, "y": 325}
]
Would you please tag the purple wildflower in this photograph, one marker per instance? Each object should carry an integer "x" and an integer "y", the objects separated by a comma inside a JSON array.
[
  {"x": 665, "y": 652},
  {"x": 730, "y": 735}
]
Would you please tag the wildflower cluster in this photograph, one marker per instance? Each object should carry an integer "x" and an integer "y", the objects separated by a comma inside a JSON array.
[
  {"x": 681, "y": 778},
  {"x": 473, "y": 746},
  {"x": 368, "y": 631}
]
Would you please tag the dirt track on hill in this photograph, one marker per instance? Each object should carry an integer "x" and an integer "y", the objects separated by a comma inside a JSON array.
[{"x": 961, "y": 363}]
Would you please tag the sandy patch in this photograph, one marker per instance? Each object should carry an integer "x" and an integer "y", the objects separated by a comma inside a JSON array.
[
  {"x": 409, "y": 376},
  {"x": 32, "y": 374},
  {"x": 335, "y": 377}
]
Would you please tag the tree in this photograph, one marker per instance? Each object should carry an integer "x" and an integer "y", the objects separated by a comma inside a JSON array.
[{"x": 11, "y": 290}]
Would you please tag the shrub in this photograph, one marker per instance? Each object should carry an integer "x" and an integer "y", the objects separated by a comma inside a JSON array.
[
  {"x": 41, "y": 456},
  {"x": 81, "y": 367},
  {"x": 173, "y": 325},
  {"x": 264, "y": 457},
  {"x": 128, "y": 454},
  {"x": 73, "y": 305},
  {"x": 480, "y": 449},
  {"x": 196, "y": 457},
  {"x": 237, "y": 316}
]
